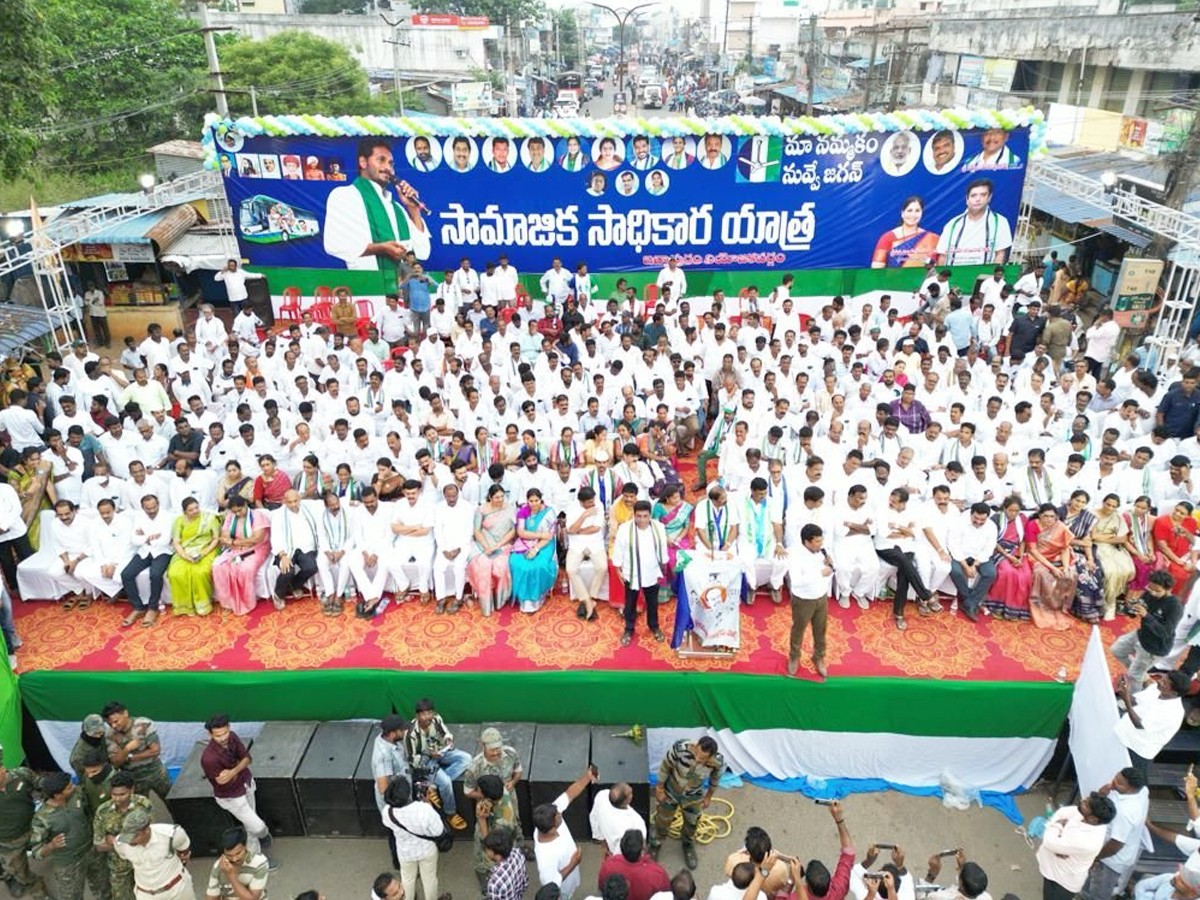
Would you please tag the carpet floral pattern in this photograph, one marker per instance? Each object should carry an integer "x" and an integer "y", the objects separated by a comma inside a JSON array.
[{"x": 413, "y": 637}]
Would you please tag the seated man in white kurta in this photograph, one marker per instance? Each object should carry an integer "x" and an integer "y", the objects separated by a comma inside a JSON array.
[{"x": 760, "y": 542}]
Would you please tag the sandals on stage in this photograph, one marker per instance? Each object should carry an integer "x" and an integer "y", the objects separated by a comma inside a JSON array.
[{"x": 84, "y": 603}]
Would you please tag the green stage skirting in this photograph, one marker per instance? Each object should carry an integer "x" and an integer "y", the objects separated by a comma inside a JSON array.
[
  {"x": 814, "y": 283},
  {"x": 926, "y": 708},
  {"x": 10, "y": 713}
]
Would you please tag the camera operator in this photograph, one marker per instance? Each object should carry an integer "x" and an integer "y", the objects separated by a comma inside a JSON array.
[{"x": 414, "y": 824}]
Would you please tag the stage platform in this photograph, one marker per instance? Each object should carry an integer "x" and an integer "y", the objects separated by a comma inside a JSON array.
[{"x": 943, "y": 676}]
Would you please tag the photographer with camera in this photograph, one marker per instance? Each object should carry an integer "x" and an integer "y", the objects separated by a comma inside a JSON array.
[
  {"x": 415, "y": 826},
  {"x": 864, "y": 883}
]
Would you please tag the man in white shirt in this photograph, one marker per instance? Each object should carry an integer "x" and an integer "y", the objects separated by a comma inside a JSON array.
[
  {"x": 466, "y": 281},
  {"x": 22, "y": 424},
  {"x": 739, "y": 883},
  {"x": 977, "y": 236},
  {"x": 71, "y": 537},
  {"x": 554, "y": 849},
  {"x": 671, "y": 274},
  {"x": 235, "y": 277},
  {"x": 612, "y": 815},
  {"x": 586, "y": 541},
  {"x": 113, "y": 539},
  {"x": 293, "y": 547},
  {"x": 1072, "y": 839},
  {"x": 508, "y": 280},
  {"x": 335, "y": 547},
  {"x": 212, "y": 339},
  {"x": 556, "y": 284},
  {"x": 151, "y": 539},
  {"x": 895, "y": 543},
  {"x": 411, "y": 560},
  {"x": 1152, "y": 715},
  {"x": 971, "y": 546},
  {"x": 348, "y": 234},
  {"x": 639, "y": 552},
  {"x": 1131, "y": 798},
  {"x": 14, "y": 535},
  {"x": 372, "y": 546},
  {"x": 453, "y": 532}
]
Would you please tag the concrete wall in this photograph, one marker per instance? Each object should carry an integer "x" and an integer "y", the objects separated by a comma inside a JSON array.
[
  {"x": 1151, "y": 41},
  {"x": 432, "y": 49}
]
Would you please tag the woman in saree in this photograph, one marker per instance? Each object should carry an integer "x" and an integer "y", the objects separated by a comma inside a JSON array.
[
  {"x": 1110, "y": 535},
  {"x": 675, "y": 514},
  {"x": 309, "y": 483},
  {"x": 233, "y": 483},
  {"x": 487, "y": 566},
  {"x": 1008, "y": 597},
  {"x": 35, "y": 489},
  {"x": 487, "y": 451},
  {"x": 388, "y": 483},
  {"x": 658, "y": 449},
  {"x": 510, "y": 448},
  {"x": 245, "y": 544},
  {"x": 594, "y": 441},
  {"x": 345, "y": 485},
  {"x": 1139, "y": 541},
  {"x": 195, "y": 538},
  {"x": 1048, "y": 543},
  {"x": 534, "y": 560},
  {"x": 457, "y": 449},
  {"x": 908, "y": 244},
  {"x": 1089, "y": 593},
  {"x": 1174, "y": 533}
]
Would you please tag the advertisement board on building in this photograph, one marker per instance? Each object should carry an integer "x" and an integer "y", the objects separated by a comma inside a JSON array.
[
  {"x": 467, "y": 97},
  {"x": 623, "y": 200},
  {"x": 124, "y": 253}
]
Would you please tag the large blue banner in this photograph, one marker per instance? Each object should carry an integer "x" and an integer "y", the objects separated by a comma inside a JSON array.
[{"x": 625, "y": 203}]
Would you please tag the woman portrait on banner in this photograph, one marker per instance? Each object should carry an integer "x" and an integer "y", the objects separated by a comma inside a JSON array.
[
  {"x": 908, "y": 244},
  {"x": 534, "y": 560}
]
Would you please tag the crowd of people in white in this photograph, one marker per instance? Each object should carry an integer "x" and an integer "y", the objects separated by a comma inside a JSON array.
[{"x": 946, "y": 442}]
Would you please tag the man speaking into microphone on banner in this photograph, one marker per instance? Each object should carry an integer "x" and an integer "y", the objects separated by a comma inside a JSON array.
[{"x": 365, "y": 227}]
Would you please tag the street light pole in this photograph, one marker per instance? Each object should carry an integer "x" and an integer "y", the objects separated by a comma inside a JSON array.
[{"x": 622, "y": 16}]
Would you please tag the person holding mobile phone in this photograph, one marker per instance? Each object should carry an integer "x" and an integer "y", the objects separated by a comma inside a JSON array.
[{"x": 972, "y": 880}]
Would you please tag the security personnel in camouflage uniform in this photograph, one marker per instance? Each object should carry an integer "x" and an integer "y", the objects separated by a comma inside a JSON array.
[
  {"x": 133, "y": 747},
  {"x": 106, "y": 825},
  {"x": 91, "y": 735},
  {"x": 62, "y": 833},
  {"x": 16, "y": 814},
  {"x": 95, "y": 781},
  {"x": 681, "y": 776},
  {"x": 502, "y": 761}
]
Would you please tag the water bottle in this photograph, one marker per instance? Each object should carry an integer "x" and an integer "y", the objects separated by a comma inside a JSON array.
[{"x": 1061, "y": 675}]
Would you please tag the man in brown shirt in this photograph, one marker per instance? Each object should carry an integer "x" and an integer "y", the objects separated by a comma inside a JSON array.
[{"x": 226, "y": 765}]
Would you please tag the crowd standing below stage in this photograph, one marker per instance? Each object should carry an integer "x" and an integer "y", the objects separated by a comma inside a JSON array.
[
  {"x": 989, "y": 451},
  {"x": 101, "y": 832}
]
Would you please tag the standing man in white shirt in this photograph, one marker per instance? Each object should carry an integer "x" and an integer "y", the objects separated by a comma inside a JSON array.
[
  {"x": 810, "y": 580},
  {"x": 453, "y": 532},
  {"x": 234, "y": 278},
  {"x": 556, "y": 285},
  {"x": 97, "y": 311},
  {"x": 152, "y": 550},
  {"x": 1073, "y": 838},
  {"x": 1152, "y": 715},
  {"x": 22, "y": 424},
  {"x": 612, "y": 815},
  {"x": 639, "y": 552},
  {"x": 466, "y": 280},
  {"x": 671, "y": 274},
  {"x": 1131, "y": 798},
  {"x": 508, "y": 279},
  {"x": 554, "y": 849}
]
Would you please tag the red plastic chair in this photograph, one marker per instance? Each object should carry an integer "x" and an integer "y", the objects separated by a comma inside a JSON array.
[
  {"x": 366, "y": 315},
  {"x": 322, "y": 294},
  {"x": 322, "y": 312},
  {"x": 289, "y": 311},
  {"x": 650, "y": 295},
  {"x": 507, "y": 313}
]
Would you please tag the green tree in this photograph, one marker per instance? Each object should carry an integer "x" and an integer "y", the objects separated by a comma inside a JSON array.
[
  {"x": 124, "y": 74},
  {"x": 568, "y": 39},
  {"x": 297, "y": 72},
  {"x": 23, "y": 82}
]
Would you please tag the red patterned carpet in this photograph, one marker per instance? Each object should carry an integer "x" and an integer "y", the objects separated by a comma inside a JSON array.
[{"x": 413, "y": 637}]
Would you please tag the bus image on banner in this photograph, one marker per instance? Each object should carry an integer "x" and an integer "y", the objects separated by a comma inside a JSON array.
[
  {"x": 623, "y": 195},
  {"x": 265, "y": 220}
]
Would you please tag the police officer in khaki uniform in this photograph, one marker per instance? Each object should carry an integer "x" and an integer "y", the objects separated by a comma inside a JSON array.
[
  {"x": 62, "y": 833},
  {"x": 133, "y": 747},
  {"x": 16, "y": 815},
  {"x": 681, "y": 777},
  {"x": 91, "y": 735},
  {"x": 106, "y": 825},
  {"x": 159, "y": 854}
]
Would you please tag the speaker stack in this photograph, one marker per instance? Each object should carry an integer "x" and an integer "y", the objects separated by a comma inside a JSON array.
[
  {"x": 560, "y": 756},
  {"x": 620, "y": 759},
  {"x": 277, "y": 753},
  {"x": 325, "y": 780}
]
